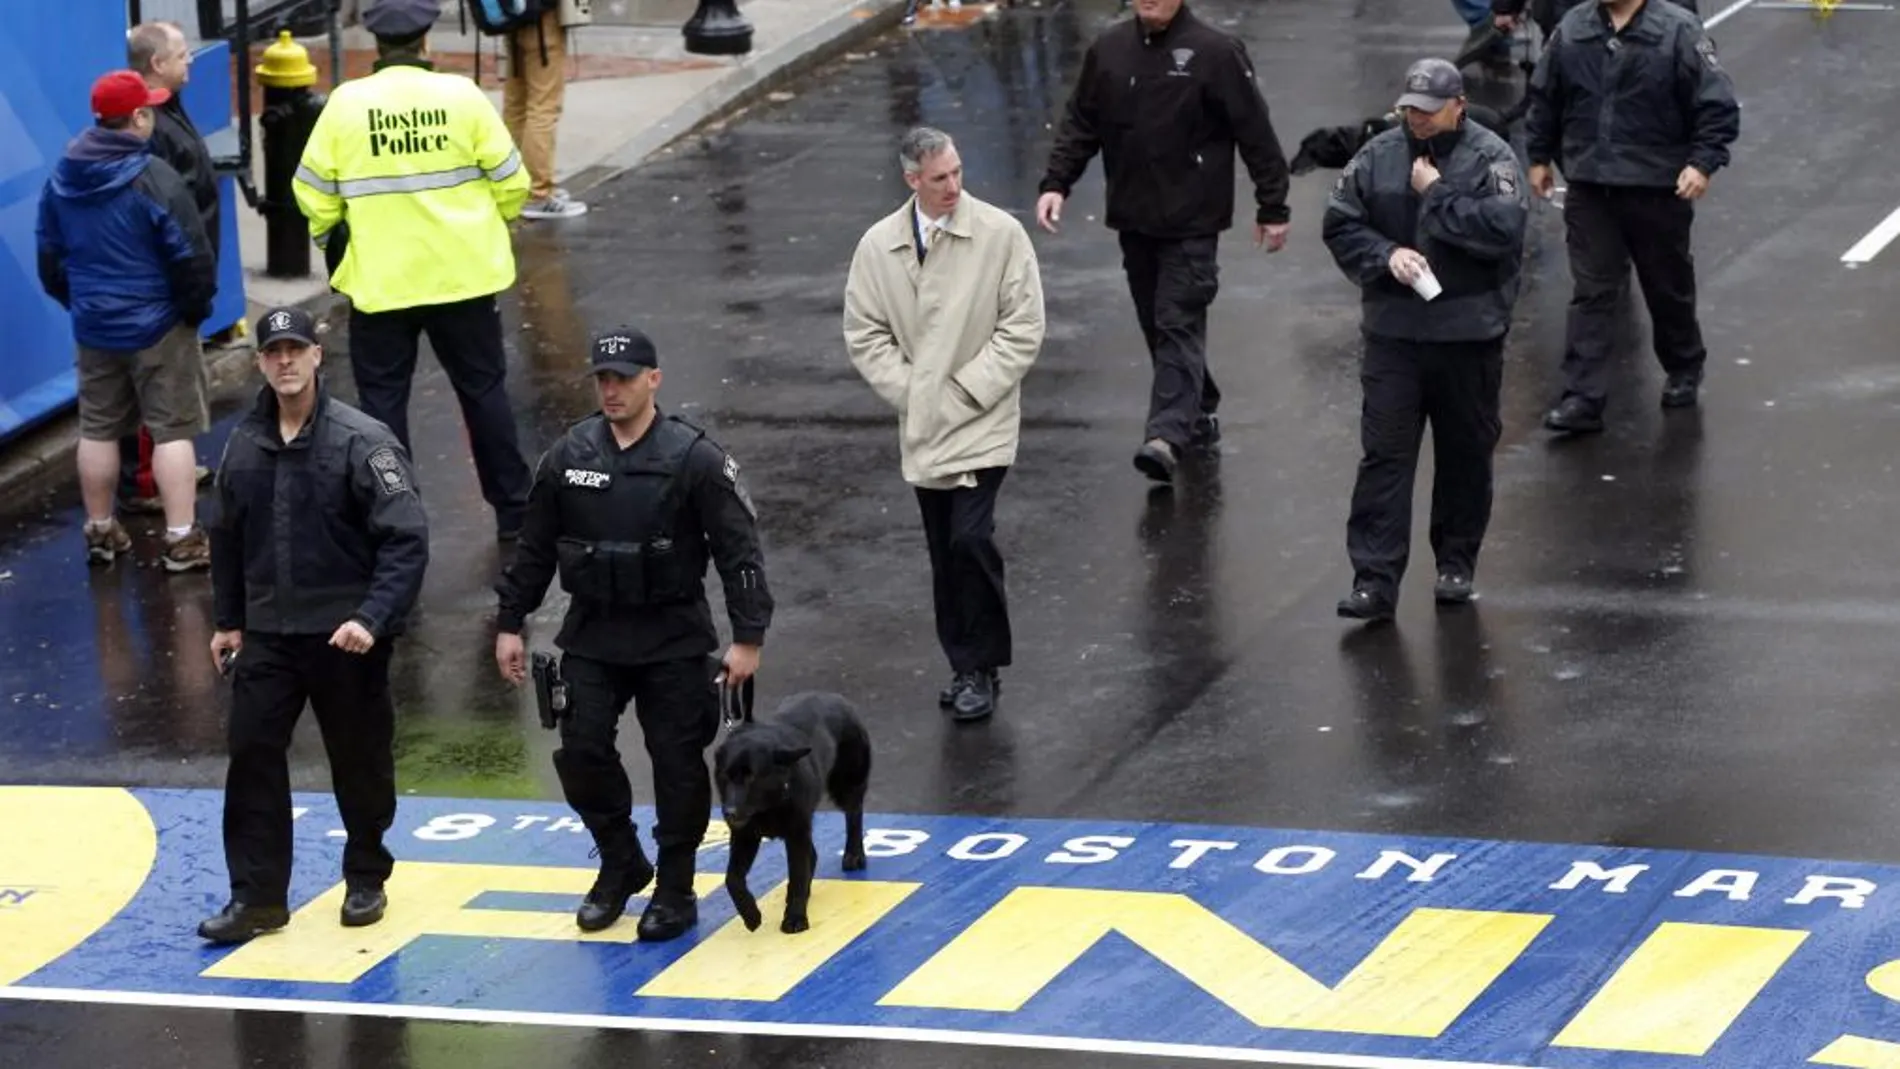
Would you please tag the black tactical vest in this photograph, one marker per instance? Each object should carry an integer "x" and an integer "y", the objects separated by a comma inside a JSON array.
[{"x": 621, "y": 544}]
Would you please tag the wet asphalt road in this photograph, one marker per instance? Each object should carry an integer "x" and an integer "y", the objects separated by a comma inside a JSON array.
[{"x": 1686, "y": 629}]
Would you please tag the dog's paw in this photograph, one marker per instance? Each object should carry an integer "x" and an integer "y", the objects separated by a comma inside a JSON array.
[
  {"x": 794, "y": 923},
  {"x": 749, "y": 913},
  {"x": 854, "y": 861}
]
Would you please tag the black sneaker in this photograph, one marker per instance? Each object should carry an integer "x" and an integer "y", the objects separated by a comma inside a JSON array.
[
  {"x": 976, "y": 700},
  {"x": 1156, "y": 460},
  {"x": 364, "y": 906},
  {"x": 239, "y": 923},
  {"x": 947, "y": 697},
  {"x": 1205, "y": 437},
  {"x": 1365, "y": 603},
  {"x": 1574, "y": 415},
  {"x": 1680, "y": 390},
  {"x": 1452, "y": 588}
]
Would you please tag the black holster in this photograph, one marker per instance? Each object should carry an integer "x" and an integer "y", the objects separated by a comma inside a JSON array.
[{"x": 550, "y": 690}]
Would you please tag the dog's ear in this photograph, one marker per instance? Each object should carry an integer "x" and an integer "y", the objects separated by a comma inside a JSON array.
[{"x": 790, "y": 755}]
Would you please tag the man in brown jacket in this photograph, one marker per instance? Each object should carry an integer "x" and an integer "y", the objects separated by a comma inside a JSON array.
[{"x": 943, "y": 317}]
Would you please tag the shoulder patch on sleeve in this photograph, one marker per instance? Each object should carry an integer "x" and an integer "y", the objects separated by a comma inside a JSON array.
[
  {"x": 388, "y": 469},
  {"x": 1705, "y": 47},
  {"x": 1505, "y": 175},
  {"x": 732, "y": 469}
]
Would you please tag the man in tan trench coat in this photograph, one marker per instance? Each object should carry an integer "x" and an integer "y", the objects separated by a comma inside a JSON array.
[{"x": 943, "y": 317}]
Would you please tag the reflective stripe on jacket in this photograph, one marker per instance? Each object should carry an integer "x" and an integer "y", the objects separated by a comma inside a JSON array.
[{"x": 422, "y": 169}]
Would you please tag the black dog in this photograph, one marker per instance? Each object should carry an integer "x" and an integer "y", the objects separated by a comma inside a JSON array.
[
  {"x": 772, "y": 775},
  {"x": 1332, "y": 147}
]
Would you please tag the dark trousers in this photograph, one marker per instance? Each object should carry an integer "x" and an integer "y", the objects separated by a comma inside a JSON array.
[
  {"x": 1608, "y": 228},
  {"x": 1173, "y": 281},
  {"x": 678, "y": 708},
  {"x": 966, "y": 573},
  {"x": 1454, "y": 385},
  {"x": 466, "y": 337},
  {"x": 271, "y": 680}
]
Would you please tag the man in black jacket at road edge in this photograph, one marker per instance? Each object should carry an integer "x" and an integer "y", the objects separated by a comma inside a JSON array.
[
  {"x": 626, "y": 508},
  {"x": 1631, "y": 104},
  {"x": 1167, "y": 99},
  {"x": 318, "y": 547}
]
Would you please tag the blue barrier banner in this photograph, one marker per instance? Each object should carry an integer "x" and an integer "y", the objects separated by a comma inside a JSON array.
[{"x": 1250, "y": 944}]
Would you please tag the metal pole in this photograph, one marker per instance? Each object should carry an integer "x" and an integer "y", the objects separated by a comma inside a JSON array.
[
  {"x": 241, "y": 48},
  {"x": 336, "y": 43},
  {"x": 136, "y": 10}
]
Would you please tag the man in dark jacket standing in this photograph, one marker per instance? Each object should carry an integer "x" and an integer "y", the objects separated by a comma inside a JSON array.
[
  {"x": 122, "y": 247},
  {"x": 1631, "y": 104},
  {"x": 1166, "y": 99},
  {"x": 1429, "y": 220},
  {"x": 319, "y": 544}
]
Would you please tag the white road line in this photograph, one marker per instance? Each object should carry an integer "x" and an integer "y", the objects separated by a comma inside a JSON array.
[
  {"x": 754, "y": 1028},
  {"x": 1726, "y": 13},
  {"x": 1877, "y": 239}
]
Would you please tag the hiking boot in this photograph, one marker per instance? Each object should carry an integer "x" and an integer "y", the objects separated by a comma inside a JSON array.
[
  {"x": 1366, "y": 603},
  {"x": 105, "y": 543},
  {"x": 669, "y": 915},
  {"x": 1156, "y": 460},
  {"x": 622, "y": 875},
  {"x": 1681, "y": 389},
  {"x": 187, "y": 553},
  {"x": 1574, "y": 415}
]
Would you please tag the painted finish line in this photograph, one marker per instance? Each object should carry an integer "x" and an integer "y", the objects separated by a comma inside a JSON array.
[{"x": 1320, "y": 948}]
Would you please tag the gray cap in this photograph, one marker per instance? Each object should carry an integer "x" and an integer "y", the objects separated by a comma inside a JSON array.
[
  {"x": 1431, "y": 84},
  {"x": 399, "y": 19}
]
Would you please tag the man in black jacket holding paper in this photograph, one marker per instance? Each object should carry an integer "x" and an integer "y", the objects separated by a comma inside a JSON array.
[{"x": 1428, "y": 219}]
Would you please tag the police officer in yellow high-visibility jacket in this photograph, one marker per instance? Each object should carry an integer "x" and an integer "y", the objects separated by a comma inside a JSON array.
[{"x": 414, "y": 172}]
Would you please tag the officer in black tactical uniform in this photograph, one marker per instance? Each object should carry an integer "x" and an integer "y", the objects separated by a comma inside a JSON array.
[
  {"x": 1429, "y": 221},
  {"x": 626, "y": 507},
  {"x": 318, "y": 547}
]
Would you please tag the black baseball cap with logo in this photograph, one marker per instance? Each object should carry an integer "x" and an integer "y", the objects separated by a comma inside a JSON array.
[
  {"x": 1431, "y": 84},
  {"x": 286, "y": 324},
  {"x": 623, "y": 351}
]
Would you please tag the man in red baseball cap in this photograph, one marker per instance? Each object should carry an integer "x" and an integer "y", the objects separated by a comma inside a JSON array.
[
  {"x": 122, "y": 247},
  {"x": 123, "y": 94}
]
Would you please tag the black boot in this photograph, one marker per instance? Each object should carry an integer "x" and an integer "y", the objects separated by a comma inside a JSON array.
[
  {"x": 624, "y": 872},
  {"x": 674, "y": 908},
  {"x": 239, "y": 923},
  {"x": 364, "y": 906}
]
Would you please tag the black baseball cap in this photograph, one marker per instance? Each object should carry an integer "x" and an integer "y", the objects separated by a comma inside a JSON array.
[
  {"x": 400, "y": 20},
  {"x": 623, "y": 350},
  {"x": 1431, "y": 84},
  {"x": 280, "y": 324}
]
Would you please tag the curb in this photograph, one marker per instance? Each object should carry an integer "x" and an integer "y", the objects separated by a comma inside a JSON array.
[{"x": 745, "y": 84}]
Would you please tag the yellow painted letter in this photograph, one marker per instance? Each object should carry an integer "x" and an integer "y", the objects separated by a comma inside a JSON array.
[
  {"x": 1858, "y": 1052},
  {"x": 1681, "y": 989},
  {"x": 1415, "y": 983},
  {"x": 763, "y": 966},
  {"x": 70, "y": 860},
  {"x": 425, "y": 898}
]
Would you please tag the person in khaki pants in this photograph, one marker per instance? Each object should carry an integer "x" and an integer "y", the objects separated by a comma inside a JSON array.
[{"x": 531, "y": 106}]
